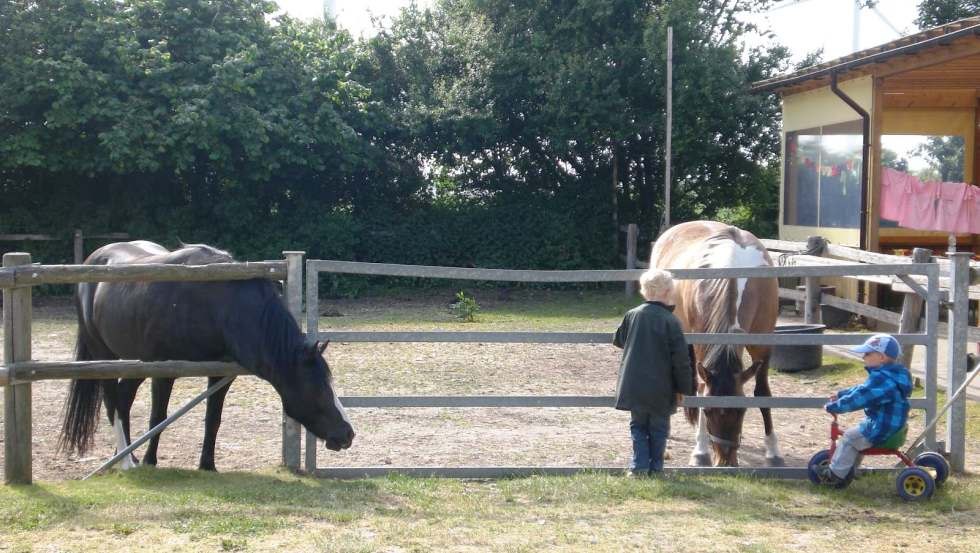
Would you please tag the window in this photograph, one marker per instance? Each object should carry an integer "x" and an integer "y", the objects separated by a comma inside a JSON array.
[{"x": 823, "y": 176}]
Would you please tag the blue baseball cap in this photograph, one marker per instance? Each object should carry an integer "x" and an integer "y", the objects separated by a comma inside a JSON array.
[{"x": 882, "y": 343}]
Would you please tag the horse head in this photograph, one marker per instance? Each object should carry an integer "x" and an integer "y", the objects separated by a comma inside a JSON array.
[
  {"x": 308, "y": 397},
  {"x": 725, "y": 377}
]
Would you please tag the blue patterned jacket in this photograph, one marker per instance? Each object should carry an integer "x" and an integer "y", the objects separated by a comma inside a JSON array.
[{"x": 884, "y": 398}]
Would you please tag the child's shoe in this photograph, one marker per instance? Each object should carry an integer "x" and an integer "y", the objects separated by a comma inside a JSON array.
[{"x": 828, "y": 478}]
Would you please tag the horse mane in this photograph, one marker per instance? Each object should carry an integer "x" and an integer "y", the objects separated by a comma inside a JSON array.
[
  {"x": 720, "y": 315},
  {"x": 199, "y": 254},
  {"x": 275, "y": 342}
]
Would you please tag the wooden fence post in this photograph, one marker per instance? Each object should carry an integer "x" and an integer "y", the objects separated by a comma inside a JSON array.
[
  {"x": 912, "y": 309},
  {"x": 79, "y": 247},
  {"x": 959, "y": 281},
  {"x": 815, "y": 245},
  {"x": 632, "y": 230},
  {"x": 17, "y": 397},
  {"x": 291, "y": 429}
]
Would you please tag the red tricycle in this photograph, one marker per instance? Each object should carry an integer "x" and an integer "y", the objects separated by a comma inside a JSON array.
[{"x": 916, "y": 482}]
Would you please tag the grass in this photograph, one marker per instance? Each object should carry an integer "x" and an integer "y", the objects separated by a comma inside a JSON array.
[
  {"x": 178, "y": 510},
  {"x": 159, "y": 509},
  {"x": 545, "y": 310}
]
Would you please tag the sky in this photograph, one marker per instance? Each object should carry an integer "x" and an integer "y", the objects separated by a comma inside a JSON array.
[{"x": 802, "y": 25}]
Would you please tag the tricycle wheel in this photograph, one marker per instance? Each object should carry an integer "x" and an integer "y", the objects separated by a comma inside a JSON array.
[
  {"x": 936, "y": 462},
  {"x": 814, "y": 468},
  {"x": 915, "y": 484}
]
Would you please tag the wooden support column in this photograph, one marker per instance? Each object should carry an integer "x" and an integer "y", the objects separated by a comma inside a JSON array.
[
  {"x": 17, "y": 397},
  {"x": 874, "y": 176},
  {"x": 291, "y": 430}
]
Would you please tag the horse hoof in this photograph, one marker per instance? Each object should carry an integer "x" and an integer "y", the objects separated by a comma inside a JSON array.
[
  {"x": 775, "y": 462},
  {"x": 128, "y": 462},
  {"x": 701, "y": 460}
]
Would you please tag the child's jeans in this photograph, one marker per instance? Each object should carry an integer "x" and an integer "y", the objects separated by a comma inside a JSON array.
[
  {"x": 847, "y": 450},
  {"x": 649, "y": 433}
]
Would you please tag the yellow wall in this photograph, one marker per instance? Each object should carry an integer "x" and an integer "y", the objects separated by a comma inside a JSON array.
[{"x": 815, "y": 108}]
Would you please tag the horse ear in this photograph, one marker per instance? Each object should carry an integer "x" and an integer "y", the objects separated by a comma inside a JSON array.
[
  {"x": 749, "y": 373},
  {"x": 702, "y": 372},
  {"x": 321, "y": 347}
]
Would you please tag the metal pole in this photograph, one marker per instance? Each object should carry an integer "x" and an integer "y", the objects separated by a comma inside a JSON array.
[
  {"x": 632, "y": 230},
  {"x": 291, "y": 430},
  {"x": 949, "y": 403},
  {"x": 932, "y": 351},
  {"x": 670, "y": 118},
  {"x": 79, "y": 242},
  {"x": 312, "y": 334},
  {"x": 958, "y": 319},
  {"x": 159, "y": 428}
]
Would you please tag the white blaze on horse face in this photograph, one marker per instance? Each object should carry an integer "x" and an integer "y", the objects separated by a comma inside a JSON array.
[
  {"x": 340, "y": 407},
  {"x": 730, "y": 255},
  {"x": 772, "y": 446},
  {"x": 126, "y": 462},
  {"x": 701, "y": 440}
]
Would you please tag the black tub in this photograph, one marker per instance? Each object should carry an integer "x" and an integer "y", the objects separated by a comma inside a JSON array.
[{"x": 797, "y": 358}]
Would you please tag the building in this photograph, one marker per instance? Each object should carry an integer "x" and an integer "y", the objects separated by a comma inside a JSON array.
[
  {"x": 909, "y": 104},
  {"x": 923, "y": 85}
]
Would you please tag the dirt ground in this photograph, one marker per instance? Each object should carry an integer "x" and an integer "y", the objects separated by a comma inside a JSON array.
[{"x": 250, "y": 432}]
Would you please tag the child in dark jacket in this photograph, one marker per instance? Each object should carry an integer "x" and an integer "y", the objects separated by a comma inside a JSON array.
[
  {"x": 655, "y": 367},
  {"x": 884, "y": 398}
]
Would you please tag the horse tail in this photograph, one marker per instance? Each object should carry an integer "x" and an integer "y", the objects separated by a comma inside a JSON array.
[{"x": 81, "y": 407}]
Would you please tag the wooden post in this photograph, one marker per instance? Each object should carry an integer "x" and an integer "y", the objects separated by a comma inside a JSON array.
[
  {"x": 959, "y": 277},
  {"x": 632, "y": 230},
  {"x": 912, "y": 309},
  {"x": 17, "y": 397},
  {"x": 291, "y": 429},
  {"x": 811, "y": 304},
  {"x": 79, "y": 247},
  {"x": 815, "y": 245}
]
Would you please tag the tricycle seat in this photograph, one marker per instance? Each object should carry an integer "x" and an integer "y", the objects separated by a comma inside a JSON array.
[{"x": 894, "y": 441}]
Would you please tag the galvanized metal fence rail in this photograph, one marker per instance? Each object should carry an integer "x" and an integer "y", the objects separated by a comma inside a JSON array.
[{"x": 929, "y": 271}]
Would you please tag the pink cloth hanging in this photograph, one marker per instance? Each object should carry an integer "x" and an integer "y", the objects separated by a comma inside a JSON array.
[
  {"x": 952, "y": 208},
  {"x": 919, "y": 211},
  {"x": 973, "y": 209},
  {"x": 895, "y": 189}
]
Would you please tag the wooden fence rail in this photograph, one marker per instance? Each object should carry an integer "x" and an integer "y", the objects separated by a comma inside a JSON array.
[
  {"x": 18, "y": 371},
  {"x": 78, "y": 240}
]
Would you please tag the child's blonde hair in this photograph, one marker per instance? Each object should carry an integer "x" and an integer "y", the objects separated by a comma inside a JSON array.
[{"x": 656, "y": 283}]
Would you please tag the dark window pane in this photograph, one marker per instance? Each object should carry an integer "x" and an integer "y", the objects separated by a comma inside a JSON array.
[{"x": 823, "y": 174}]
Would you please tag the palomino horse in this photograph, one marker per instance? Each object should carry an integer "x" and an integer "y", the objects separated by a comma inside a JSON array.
[
  {"x": 243, "y": 320},
  {"x": 722, "y": 305}
]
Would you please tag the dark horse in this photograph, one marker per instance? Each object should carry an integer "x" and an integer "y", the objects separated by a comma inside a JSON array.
[
  {"x": 722, "y": 305},
  {"x": 245, "y": 321}
]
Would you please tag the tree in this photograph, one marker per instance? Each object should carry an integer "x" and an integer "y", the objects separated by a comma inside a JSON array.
[
  {"x": 566, "y": 100},
  {"x": 937, "y": 12}
]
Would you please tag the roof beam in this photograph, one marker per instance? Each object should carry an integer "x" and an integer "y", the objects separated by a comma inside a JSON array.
[{"x": 941, "y": 54}]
